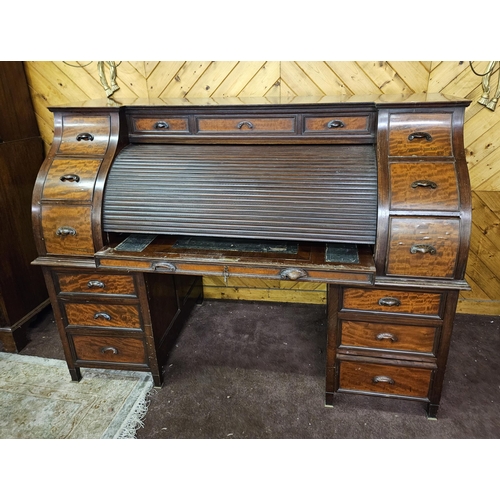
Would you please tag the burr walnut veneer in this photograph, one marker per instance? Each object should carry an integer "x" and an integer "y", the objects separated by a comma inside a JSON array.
[{"x": 136, "y": 201}]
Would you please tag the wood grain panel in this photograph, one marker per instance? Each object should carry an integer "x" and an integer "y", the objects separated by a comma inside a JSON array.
[
  {"x": 61, "y": 183},
  {"x": 411, "y": 186},
  {"x": 388, "y": 336},
  {"x": 109, "y": 349},
  {"x": 58, "y": 82},
  {"x": 106, "y": 284},
  {"x": 400, "y": 302},
  {"x": 103, "y": 315},
  {"x": 384, "y": 379}
]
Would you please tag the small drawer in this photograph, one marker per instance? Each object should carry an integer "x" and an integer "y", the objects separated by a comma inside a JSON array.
[
  {"x": 337, "y": 124},
  {"x": 423, "y": 186},
  {"x": 160, "y": 124},
  {"x": 392, "y": 301},
  {"x": 71, "y": 179},
  {"x": 103, "y": 315},
  {"x": 243, "y": 125},
  {"x": 423, "y": 246},
  {"x": 85, "y": 135},
  {"x": 420, "y": 134},
  {"x": 385, "y": 379},
  {"x": 388, "y": 336},
  {"x": 109, "y": 349},
  {"x": 105, "y": 284},
  {"x": 67, "y": 229}
]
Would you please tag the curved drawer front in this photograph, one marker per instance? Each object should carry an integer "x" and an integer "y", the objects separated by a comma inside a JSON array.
[
  {"x": 420, "y": 134},
  {"x": 423, "y": 246},
  {"x": 337, "y": 124},
  {"x": 161, "y": 124},
  {"x": 85, "y": 135},
  {"x": 388, "y": 336},
  {"x": 392, "y": 301},
  {"x": 67, "y": 229},
  {"x": 243, "y": 125},
  {"x": 105, "y": 284},
  {"x": 423, "y": 186},
  {"x": 384, "y": 379},
  {"x": 103, "y": 315},
  {"x": 109, "y": 349},
  {"x": 71, "y": 179}
]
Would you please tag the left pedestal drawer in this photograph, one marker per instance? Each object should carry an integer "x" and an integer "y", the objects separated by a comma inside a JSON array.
[{"x": 109, "y": 349}]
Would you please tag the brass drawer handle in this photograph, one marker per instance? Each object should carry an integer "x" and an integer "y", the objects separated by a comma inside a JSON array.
[
  {"x": 112, "y": 350},
  {"x": 161, "y": 125},
  {"x": 66, "y": 231},
  {"x": 424, "y": 184},
  {"x": 389, "y": 301},
  {"x": 420, "y": 135},
  {"x": 69, "y": 178},
  {"x": 387, "y": 336},
  {"x": 383, "y": 379},
  {"x": 164, "y": 266},
  {"x": 102, "y": 315},
  {"x": 335, "y": 124},
  {"x": 423, "y": 249},
  {"x": 85, "y": 136},
  {"x": 243, "y": 123},
  {"x": 95, "y": 284},
  {"x": 293, "y": 274}
]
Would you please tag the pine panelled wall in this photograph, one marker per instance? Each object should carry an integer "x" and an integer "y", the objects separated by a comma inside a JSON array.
[{"x": 53, "y": 83}]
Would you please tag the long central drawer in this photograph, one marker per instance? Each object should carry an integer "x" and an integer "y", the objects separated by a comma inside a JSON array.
[{"x": 323, "y": 193}]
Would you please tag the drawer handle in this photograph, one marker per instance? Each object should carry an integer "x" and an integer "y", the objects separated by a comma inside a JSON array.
[
  {"x": 161, "y": 125},
  {"x": 382, "y": 379},
  {"x": 66, "y": 231},
  {"x": 423, "y": 249},
  {"x": 85, "y": 136},
  {"x": 387, "y": 336},
  {"x": 95, "y": 284},
  {"x": 164, "y": 266},
  {"x": 335, "y": 124},
  {"x": 70, "y": 178},
  {"x": 424, "y": 184},
  {"x": 243, "y": 123},
  {"x": 101, "y": 315},
  {"x": 389, "y": 301},
  {"x": 420, "y": 135},
  {"x": 293, "y": 274},
  {"x": 112, "y": 350}
]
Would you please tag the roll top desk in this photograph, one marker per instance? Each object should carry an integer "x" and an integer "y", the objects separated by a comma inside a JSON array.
[{"x": 137, "y": 201}]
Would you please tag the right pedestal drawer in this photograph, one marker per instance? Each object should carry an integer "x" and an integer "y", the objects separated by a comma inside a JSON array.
[
  {"x": 386, "y": 341},
  {"x": 392, "y": 301},
  {"x": 384, "y": 378},
  {"x": 387, "y": 336}
]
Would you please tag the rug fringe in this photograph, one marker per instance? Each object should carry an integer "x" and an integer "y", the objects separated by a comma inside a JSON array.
[{"x": 136, "y": 418}]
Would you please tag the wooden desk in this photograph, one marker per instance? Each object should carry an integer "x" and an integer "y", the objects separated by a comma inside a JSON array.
[{"x": 137, "y": 201}]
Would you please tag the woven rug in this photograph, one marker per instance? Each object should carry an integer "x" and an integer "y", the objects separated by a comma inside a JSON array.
[{"x": 38, "y": 400}]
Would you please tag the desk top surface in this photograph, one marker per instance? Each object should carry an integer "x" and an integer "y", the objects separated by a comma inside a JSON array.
[{"x": 378, "y": 101}]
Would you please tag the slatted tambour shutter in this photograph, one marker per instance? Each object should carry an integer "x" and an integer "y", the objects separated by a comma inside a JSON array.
[{"x": 287, "y": 192}]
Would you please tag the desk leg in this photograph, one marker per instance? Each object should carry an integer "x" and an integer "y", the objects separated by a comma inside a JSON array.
[
  {"x": 76, "y": 374},
  {"x": 331, "y": 342}
]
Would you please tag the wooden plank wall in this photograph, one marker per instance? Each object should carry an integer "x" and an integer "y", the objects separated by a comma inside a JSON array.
[{"x": 57, "y": 82}]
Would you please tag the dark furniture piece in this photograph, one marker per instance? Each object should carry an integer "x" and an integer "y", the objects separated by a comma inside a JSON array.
[
  {"x": 22, "y": 287},
  {"x": 137, "y": 201}
]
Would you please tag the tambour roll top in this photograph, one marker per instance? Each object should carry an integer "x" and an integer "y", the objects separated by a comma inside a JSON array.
[{"x": 328, "y": 193}]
